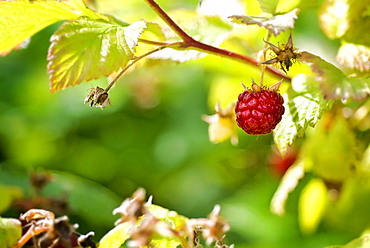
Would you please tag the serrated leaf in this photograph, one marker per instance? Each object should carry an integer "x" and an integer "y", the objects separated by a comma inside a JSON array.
[
  {"x": 304, "y": 106},
  {"x": 333, "y": 82},
  {"x": 10, "y": 232},
  {"x": 207, "y": 29},
  {"x": 269, "y": 6},
  {"x": 311, "y": 205},
  {"x": 363, "y": 242},
  {"x": 19, "y": 20},
  {"x": 275, "y": 24},
  {"x": 86, "y": 49},
  {"x": 116, "y": 237},
  {"x": 355, "y": 56}
]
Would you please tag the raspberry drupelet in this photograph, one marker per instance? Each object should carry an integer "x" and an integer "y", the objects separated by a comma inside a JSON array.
[{"x": 259, "y": 109}]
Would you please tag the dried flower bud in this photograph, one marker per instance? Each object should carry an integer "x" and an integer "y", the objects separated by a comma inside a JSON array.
[
  {"x": 35, "y": 214},
  {"x": 142, "y": 236},
  {"x": 285, "y": 56},
  {"x": 131, "y": 209},
  {"x": 98, "y": 98},
  {"x": 215, "y": 227}
]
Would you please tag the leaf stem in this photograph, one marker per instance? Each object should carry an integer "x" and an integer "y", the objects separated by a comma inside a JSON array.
[
  {"x": 189, "y": 42},
  {"x": 136, "y": 60}
]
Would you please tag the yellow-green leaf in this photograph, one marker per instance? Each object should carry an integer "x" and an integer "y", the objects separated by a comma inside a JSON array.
[
  {"x": 311, "y": 206},
  {"x": 20, "y": 20},
  {"x": 10, "y": 232},
  {"x": 86, "y": 49},
  {"x": 363, "y": 242},
  {"x": 116, "y": 237}
]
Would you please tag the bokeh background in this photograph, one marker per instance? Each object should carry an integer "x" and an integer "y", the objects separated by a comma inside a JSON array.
[{"x": 152, "y": 137}]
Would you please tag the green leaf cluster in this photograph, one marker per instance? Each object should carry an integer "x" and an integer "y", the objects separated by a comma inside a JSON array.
[{"x": 304, "y": 106}]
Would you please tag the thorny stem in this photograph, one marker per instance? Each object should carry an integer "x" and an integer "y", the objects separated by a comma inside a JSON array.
[
  {"x": 189, "y": 42},
  {"x": 136, "y": 60}
]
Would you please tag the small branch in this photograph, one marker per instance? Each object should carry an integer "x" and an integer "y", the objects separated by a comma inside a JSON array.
[
  {"x": 199, "y": 46},
  {"x": 134, "y": 61},
  {"x": 163, "y": 15},
  {"x": 189, "y": 42}
]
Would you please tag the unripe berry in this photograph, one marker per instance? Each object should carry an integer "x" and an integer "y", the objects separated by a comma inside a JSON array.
[{"x": 259, "y": 109}]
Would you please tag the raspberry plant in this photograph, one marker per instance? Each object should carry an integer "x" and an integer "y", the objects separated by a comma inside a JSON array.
[{"x": 320, "y": 109}]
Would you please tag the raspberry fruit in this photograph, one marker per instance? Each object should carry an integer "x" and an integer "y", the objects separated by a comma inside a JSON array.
[{"x": 259, "y": 109}]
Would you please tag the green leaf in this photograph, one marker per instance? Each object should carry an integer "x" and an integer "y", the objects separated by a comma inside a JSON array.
[
  {"x": 20, "y": 20},
  {"x": 335, "y": 160},
  {"x": 354, "y": 56},
  {"x": 207, "y": 29},
  {"x": 86, "y": 49},
  {"x": 275, "y": 24},
  {"x": 363, "y": 242},
  {"x": 116, "y": 237},
  {"x": 10, "y": 232},
  {"x": 333, "y": 82},
  {"x": 312, "y": 205},
  {"x": 269, "y": 6},
  {"x": 304, "y": 106}
]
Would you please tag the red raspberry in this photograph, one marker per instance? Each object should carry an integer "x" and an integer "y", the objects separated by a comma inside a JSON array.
[{"x": 259, "y": 109}]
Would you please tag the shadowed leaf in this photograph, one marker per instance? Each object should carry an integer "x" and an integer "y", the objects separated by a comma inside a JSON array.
[
  {"x": 275, "y": 24},
  {"x": 87, "y": 49},
  {"x": 334, "y": 83}
]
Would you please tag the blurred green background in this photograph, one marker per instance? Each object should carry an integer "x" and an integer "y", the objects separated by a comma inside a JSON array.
[{"x": 152, "y": 137}]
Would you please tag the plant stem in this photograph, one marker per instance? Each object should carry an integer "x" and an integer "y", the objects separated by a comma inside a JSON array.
[
  {"x": 133, "y": 62},
  {"x": 189, "y": 42},
  {"x": 199, "y": 46},
  {"x": 264, "y": 58},
  {"x": 173, "y": 25}
]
